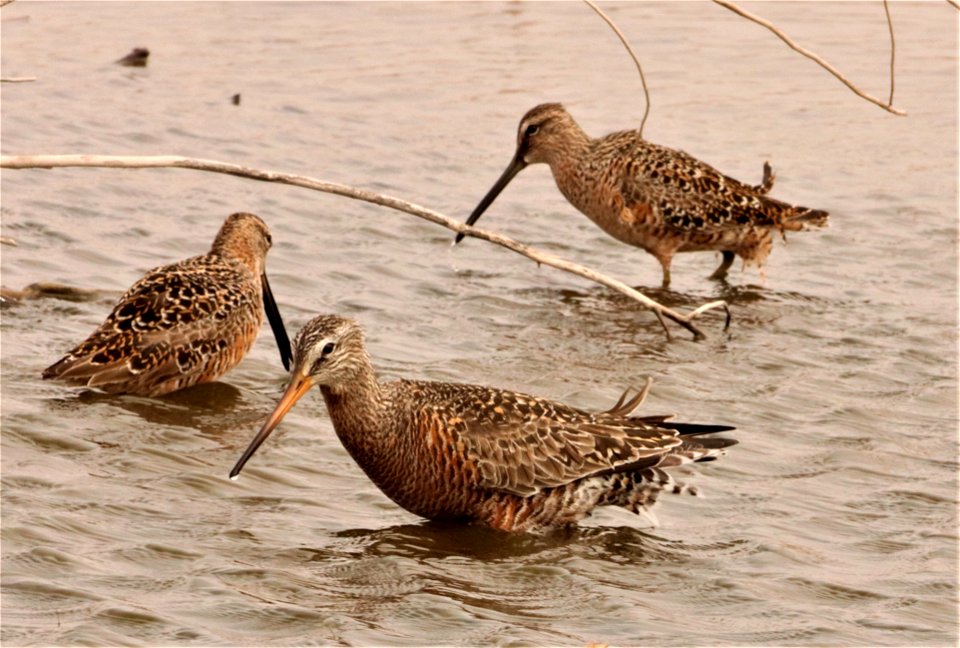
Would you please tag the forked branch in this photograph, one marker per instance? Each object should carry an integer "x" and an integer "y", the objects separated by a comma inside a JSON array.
[
  {"x": 213, "y": 166},
  {"x": 636, "y": 61},
  {"x": 819, "y": 61}
]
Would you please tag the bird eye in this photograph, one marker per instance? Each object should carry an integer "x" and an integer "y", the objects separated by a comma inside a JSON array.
[
  {"x": 328, "y": 348},
  {"x": 269, "y": 239},
  {"x": 532, "y": 129}
]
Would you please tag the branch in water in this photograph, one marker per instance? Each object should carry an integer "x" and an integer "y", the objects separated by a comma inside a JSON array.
[
  {"x": 171, "y": 161},
  {"x": 813, "y": 57}
]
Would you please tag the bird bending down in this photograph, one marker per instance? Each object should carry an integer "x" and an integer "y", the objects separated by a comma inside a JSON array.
[
  {"x": 185, "y": 323},
  {"x": 514, "y": 462},
  {"x": 657, "y": 198}
]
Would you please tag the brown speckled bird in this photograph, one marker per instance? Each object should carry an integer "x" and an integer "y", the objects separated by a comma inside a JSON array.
[
  {"x": 185, "y": 323},
  {"x": 464, "y": 452},
  {"x": 651, "y": 196}
]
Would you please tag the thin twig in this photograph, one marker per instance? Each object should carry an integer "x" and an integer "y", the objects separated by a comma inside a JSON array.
[
  {"x": 17, "y": 79},
  {"x": 810, "y": 55},
  {"x": 623, "y": 39},
  {"x": 893, "y": 47},
  {"x": 213, "y": 166}
]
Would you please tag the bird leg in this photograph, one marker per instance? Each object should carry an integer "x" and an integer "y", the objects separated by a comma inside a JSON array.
[
  {"x": 721, "y": 271},
  {"x": 664, "y": 260}
]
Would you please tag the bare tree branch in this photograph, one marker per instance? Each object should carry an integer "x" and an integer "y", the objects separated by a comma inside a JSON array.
[
  {"x": 810, "y": 55},
  {"x": 893, "y": 48},
  {"x": 170, "y": 161},
  {"x": 623, "y": 39}
]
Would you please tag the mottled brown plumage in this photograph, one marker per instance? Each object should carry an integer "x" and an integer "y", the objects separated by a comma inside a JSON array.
[
  {"x": 185, "y": 323},
  {"x": 465, "y": 452},
  {"x": 657, "y": 198}
]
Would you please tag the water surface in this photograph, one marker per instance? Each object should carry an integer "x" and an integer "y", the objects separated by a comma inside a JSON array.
[{"x": 833, "y": 522}]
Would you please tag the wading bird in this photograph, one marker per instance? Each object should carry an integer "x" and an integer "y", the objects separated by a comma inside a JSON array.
[
  {"x": 448, "y": 451},
  {"x": 185, "y": 323},
  {"x": 657, "y": 198}
]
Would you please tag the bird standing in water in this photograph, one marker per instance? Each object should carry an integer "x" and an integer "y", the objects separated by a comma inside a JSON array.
[
  {"x": 185, "y": 323},
  {"x": 514, "y": 462},
  {"x": 657, "y": 198}
]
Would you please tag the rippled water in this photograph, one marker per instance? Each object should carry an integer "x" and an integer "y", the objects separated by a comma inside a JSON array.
[{"x": 833, "y": 522}]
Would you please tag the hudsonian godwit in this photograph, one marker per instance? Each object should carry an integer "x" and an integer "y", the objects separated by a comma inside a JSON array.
[{"x": 514, "y": 462}]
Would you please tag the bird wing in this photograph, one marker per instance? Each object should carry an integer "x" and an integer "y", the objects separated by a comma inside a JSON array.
[
  {"x": 166, "y": 324},
  {"x": 689, "y": 193},
  {"x": 521, "y": 444}
]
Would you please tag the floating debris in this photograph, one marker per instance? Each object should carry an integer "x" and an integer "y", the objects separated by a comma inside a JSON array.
[{"x": 136, "y": 58}]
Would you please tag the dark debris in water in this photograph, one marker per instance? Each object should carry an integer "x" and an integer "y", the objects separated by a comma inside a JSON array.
[{"x": 136, "y": 58}]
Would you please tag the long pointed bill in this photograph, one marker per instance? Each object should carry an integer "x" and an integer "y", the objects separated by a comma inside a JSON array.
[
  {"x": 516, "y": 165},
  {"x": 299, "y": 386},
  {"x": 276, "y": 323}
]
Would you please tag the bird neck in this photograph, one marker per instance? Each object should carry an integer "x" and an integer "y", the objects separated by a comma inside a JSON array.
[
  {"x": 570, "y": 145},
  {"x": 233, "y": 245},
  {"x": 355, "y": 408}
]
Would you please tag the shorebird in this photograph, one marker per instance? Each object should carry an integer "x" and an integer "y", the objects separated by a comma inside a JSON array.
[
  {"x": 185, "y": 323},
  {"x": 657, "y": 198},
  {"x": 514, "y": 462}
]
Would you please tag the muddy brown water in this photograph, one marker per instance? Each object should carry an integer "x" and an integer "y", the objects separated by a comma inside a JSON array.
[{"x": 834, "y": 522}]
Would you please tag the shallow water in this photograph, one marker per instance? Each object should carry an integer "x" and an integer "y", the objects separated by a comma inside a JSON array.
[{"x": 833, "y": 522}]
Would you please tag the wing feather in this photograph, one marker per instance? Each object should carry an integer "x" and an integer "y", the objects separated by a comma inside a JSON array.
[
  {"x": 691, "y": 194},
  {"x": 522, "y": 444}
]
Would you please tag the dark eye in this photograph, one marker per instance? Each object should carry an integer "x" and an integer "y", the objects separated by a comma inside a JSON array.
[
  {"x": 532, "y": 129},
  {"x": 269, "y": 239},
  {"x": 328, "y": 348}
]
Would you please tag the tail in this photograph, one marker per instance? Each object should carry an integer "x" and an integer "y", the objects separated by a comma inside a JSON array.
[
  {"x": 802, "y": 218},
  {"x": 695, "y": 429},
  {"x": 638, "y": 490}
]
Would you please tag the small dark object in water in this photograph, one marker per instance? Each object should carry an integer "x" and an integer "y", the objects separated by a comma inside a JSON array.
[
  {"x": 235, "y": 99},
  {"x": 136, "y": 58}
]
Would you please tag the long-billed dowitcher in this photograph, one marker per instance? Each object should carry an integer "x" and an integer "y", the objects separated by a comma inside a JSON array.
[
  {"x": 466, "y": 452},
  {"x": 185, "y": 323},
  {"x": 657, "y": 198}
]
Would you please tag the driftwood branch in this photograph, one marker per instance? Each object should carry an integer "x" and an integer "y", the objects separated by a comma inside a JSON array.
[
  {"x": 956, "y": 5},
  {"x": 623, "y": 39},
  {"x": 813, "y": 57},
  {"x": 170, "y": 161},
  {"x": 17, "y": 79}
]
